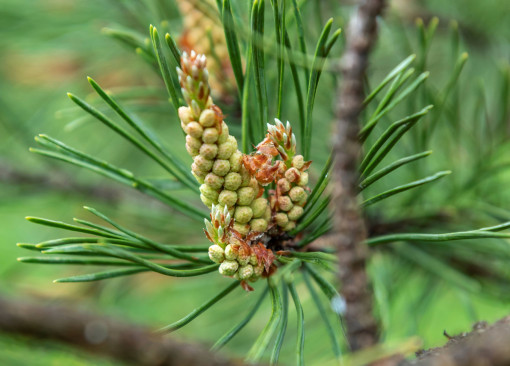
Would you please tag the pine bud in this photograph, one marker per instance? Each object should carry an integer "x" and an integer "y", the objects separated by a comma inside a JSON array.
[
  {"x": 223, "y": 137},
  {"x": 285, "y": 203},
  {"x": 208, "y": 118},
  {"x": 303, "y": 179},
  {"x": 290, "y": 226},
  {"x": 258, "y": 207},
  {"x": 197, "y": 172},
  {"x": 216, "y": 253},
  {"x": 209, "y": 151},
  {"x": 258, "y": 270},
  {"x": 232, "y": 180},
  {"x": 284, "y": 185},
  {"x": 221, "y": 167},
  {"x": 214, "y": 181},
  {"x": 267, "y": 214},
  {"x": 193, "y": 142},
  {"x": 209, "y": 192},
  {"x": 245, "y": 196},
  {"x": 228, "y": 268},
  {"x": 208, "y": 202},
  {"x": 243, "y": 214},
  {"x": 297, "y": 194},
  {"x": 230, "y": 253},
  {"x": 210, "y": 135},
  {"x": 295, "y": 213},
  {"x": 258, "y": 225},
  {"x": 227, "y": 198},
  {"x": 192, "y": 150},
  {"x": 202, "y": 163},
  {"x": 292, "y": 175},
  {"x": 194, "y": 129},
  {"x": 242, "y": 229},
  {"x": 298, "y": 161},
  {"x": 226, "y": 149},
  {"x": 281, "y": 219},
  {"x": 185, "y": 115},
  {"x": 245, "y": 272},
  {"x": 254, "y": 260},
  {"x": 245, "y": 175},
  {"x": 235, "y": 161}
]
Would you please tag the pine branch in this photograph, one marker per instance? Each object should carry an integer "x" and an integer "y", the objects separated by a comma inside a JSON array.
[
  {"x": 125, "y": 342},
  {"x": 482, "y": 346},
  {"x": 349, "y": 226}
]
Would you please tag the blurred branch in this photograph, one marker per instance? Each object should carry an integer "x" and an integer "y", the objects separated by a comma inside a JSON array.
[
  {"x": 125, "y": 342},
  {"x": 9, "y": 174},
  {"x": 484, "y": 345},
  {"x": 349, "y": 226}
]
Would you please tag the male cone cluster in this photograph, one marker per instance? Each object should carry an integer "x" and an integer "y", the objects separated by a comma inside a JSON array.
[
  {"x": 232, "y": 183},
  {"x": 201, "y": 33},
  {"x": 217, "y": 163}
]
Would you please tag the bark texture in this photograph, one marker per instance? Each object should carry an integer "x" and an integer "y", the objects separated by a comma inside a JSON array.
[
  {"x": 125, "y": 342},
  {"x": 349, "y": 226},
  {"x": 483, "y": 346}
]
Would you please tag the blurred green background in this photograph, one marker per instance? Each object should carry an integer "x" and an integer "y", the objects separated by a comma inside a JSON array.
[{"x": 48, "y": 47}]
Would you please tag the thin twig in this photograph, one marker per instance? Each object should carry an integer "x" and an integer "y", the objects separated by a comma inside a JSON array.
[{"x": 349, "y": 226}]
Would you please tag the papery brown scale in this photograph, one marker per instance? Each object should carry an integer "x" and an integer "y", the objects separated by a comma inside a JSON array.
[
  {"x": 306, "y": 166},
  {"x": 208, "y": 236},
  {"x": 245, "y": 286},
  {"x": 261, "y": 192}
]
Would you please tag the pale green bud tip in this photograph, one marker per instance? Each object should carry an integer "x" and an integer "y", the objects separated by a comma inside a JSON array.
[
  {"x": 204, "y": 164},
  {"x": 236, "y": 161},
  {"x": 298, "y": 161},
  {"x": 295, "y": 213},
  {"x": 245, "y": 196},
  {"x": 185, "y": 115},
  {"x": 214, "y": 181},
  {"x": 207, "y": 118},
  {"x": 284, "y": 185},
  {"x": 198, "y": 178},
  {"x": 227, "y": 148},
  {"x": 232, "y": 181},
  {"x": 245, "y": 272},
  {"x": 285, "y": 203},
  {"x": 207, "y": 201},
  {"x": 197, "y": 172},
  {"x": 208, "y": 151},
  {"x": 210, "y": 135},
  {"x": 243, "y": 214},
  {"x": 297, "y": 194},
  {"x": 289, "y": 226},
  {"x": 258, "y": 225},
  {"x": 223, "y": 137},
  {"x": 193, "y": 142},
  {"x": 303, "y": 179},
  {"x": 221, "y": 167},
  {"x": 228, "y": 268},
  {"x": 258, "y": 207},
  {"x": 228, "y": 198},
  {"x": 209, "y": 192},
  {"x": 242, "y": 229},
  {"x": 292, "y": 175},
  {"x": 281, "y": 219},
  {"x": 230, "y": 254},
  {"x": 216, "y": 253},
  {"x": 194, "y": 129}
]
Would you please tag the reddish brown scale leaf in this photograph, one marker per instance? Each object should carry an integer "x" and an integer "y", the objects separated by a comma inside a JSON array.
[
  {"x": 208, "y": 236},
  {"x": 246, "y": 287},
  {"x": 283, "y": 252},
  {"x": 261, "y": 192},
  {"x": 306, "y": 166}
]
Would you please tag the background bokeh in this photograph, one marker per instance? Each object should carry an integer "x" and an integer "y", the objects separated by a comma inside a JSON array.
[{"x": 48, "y": 47}]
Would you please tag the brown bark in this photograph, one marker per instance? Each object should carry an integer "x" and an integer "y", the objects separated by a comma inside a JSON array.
[
  {"x": 349, "y": 226},
  {"x": 125, "y": 342},
  {"x": 483, "y": 346}
]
